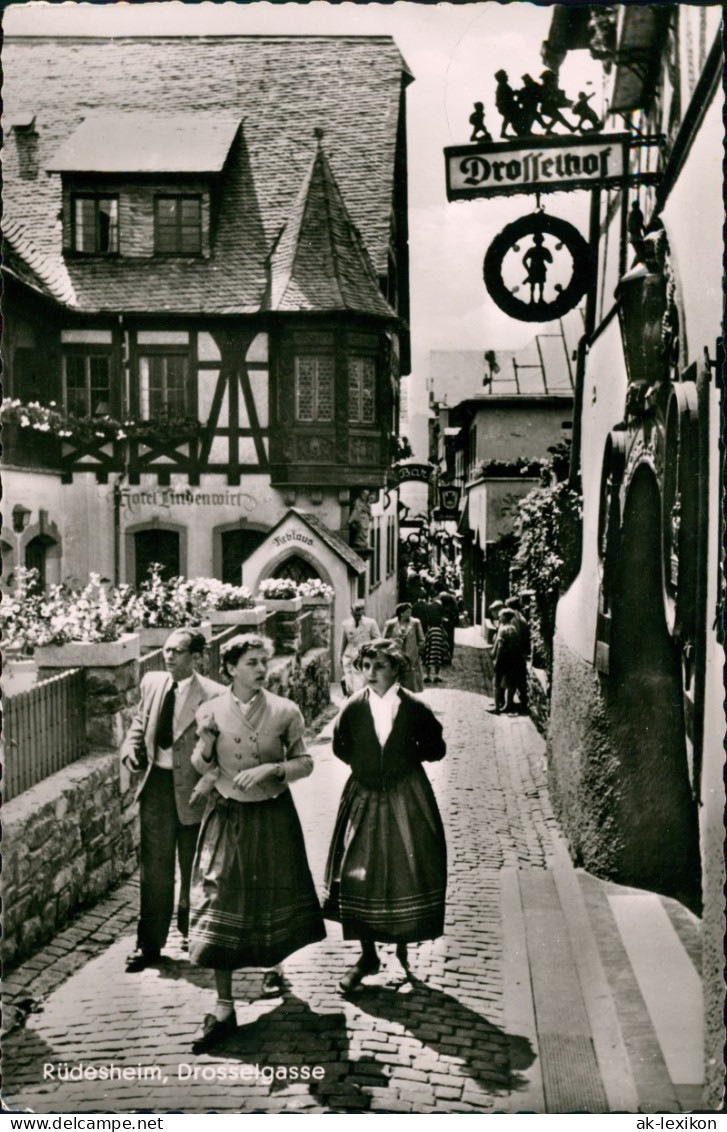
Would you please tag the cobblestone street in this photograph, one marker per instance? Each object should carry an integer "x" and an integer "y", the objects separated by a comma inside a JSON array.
[{"x": 541, "y": 996}]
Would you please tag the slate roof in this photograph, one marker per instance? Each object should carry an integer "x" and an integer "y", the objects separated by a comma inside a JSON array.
[
  {"x": 282, "y": 88},
  {"x": 23, "y": 260},
  {"x": 147, "y": 143},
  {"x": 320, "y": 262}
]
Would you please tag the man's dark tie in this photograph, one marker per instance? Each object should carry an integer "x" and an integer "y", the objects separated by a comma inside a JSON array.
[{"x": 165, "y": 726}]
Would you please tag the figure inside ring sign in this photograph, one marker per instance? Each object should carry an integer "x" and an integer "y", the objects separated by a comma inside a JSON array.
[{"x": 535, "y": 261}]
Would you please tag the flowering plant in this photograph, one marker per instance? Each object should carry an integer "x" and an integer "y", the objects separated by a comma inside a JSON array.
[
  {"x": 222, "y": 595},
  {"x": 171, "y": 603},
  {"x": 314, "y": 588},
  {"x": 278, "y": 589},
  {"x": 31, "y": 619},
  {"x": 49, "y": 418}
]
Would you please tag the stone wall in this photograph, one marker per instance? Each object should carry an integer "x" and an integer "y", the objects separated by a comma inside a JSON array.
[
  {"x": 66, "y": 842},
  {"x": 72, "y": 837}
]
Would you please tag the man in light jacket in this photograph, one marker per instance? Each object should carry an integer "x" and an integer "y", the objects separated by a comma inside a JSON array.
[{"x": 159, "y": 746}]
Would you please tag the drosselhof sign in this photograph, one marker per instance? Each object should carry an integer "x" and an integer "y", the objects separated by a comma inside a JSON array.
[{"x": 539, "y": 165}]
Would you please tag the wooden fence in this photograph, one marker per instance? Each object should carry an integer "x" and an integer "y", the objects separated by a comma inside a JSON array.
[{"x": 44, "y": 730}]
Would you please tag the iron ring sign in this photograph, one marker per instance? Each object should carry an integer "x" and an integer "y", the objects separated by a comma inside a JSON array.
[{"x": 536, "y": 262}]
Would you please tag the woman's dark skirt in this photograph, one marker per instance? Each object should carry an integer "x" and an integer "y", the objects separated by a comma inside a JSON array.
[
  {"x": 386, "y": 874},
  {"x": 436, "y": 649},
  {"x": 253, "y": 901}
]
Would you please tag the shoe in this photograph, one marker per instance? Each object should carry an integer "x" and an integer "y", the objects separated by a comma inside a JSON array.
[
  {"x": 273, "y": 984},
  {"x": 185, "y": 944},
  {"x": 356, "y": 974},
  {"x": 437, "y": 680},
  {"x": 427, "y": 679},
  {"x": 139, "y": 960},
  {"x": 183, "y": 919},
  {"x": 213, "y": 1032}
]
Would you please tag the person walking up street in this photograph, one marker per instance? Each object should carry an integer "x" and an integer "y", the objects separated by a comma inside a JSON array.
[
  {"x": 506, "y": 656},
  {"x": 448, "y": 603},
  {"x": 436, "y": 649},
  {"x": 357, "y": 630},
  {"x": 159, "y": 745},
  {"x": 523, "y": 628}
]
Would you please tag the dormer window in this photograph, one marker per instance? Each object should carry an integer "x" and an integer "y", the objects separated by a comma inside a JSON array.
[
  {"x": 178, "y": 225},
  {"x": 95, "y": 224}
]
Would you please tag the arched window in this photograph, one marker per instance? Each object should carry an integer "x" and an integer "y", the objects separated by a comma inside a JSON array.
[{"x": 297, "y": 569}]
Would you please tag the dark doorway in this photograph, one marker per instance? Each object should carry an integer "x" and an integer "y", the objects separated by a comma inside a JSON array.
[
  {"x": 657, "y": 816},
  {"x": 297, "y": 569},
  {"x": 160, "y": 546},
  {"x": 237, "y": 546},
  {"x": 36, "y": 554}
]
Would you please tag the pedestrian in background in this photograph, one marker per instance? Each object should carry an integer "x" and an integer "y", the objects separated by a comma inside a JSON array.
[
  {"x": 523, "y": 628},
  {"x": 159, "y": 743},
  {"x": 449, "y": 605},
  {"x": 386, "y": 873},
  {"x": 407, "y": 632},
  {"x": 506, "y": 659},
  {"x": 357, "y": 630},
  {"x": 253, "y": 898},
  {"x": 436, "y": 648}
]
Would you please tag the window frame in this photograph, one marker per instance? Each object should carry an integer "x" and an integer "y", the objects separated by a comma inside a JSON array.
[
  {"x": 86, "y": 353},
  {"x": 190, "y": 385},
  {"x": 359, "y": 418},
  {"x": 315, "y": 420},
  {"x": 179, "y": 198},
  {"x": 96, "y": 198}
]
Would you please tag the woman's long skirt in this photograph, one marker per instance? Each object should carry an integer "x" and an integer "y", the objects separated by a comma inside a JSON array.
[
  {"x": 253, "y": 901},
  {"x": 436, "y": 649},
  {"x": 386, "y": 874}
]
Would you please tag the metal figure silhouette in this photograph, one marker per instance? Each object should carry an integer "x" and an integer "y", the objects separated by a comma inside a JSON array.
[
  {"x": 477, "y": 122},
  {"x": 585, "y": 114},
  {"x": 535, "y": 261}
]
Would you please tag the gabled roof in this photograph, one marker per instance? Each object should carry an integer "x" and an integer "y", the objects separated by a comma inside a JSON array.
[
  {"x": 320, "y": 263},
  {"x": 281, "y": 86},
  {"x": 332, "y": 540},
  {"x": 147, "y": 143}
]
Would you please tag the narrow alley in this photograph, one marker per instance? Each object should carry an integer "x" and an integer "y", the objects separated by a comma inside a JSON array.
[{"x": 551, "y": 991}]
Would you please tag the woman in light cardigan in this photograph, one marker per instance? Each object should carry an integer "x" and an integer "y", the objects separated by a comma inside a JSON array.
[{"x": 253, "y": 900}]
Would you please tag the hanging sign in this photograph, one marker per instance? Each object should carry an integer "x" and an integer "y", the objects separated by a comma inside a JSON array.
[
  {"x": 538, "y": 268},
  {"x": 420, "y": 472},
  {"x": 448, "y": 501},
  {"x": 539, "y": 165}
]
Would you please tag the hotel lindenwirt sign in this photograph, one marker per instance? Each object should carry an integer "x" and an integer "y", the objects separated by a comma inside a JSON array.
[{"x": 538, "y": 165}]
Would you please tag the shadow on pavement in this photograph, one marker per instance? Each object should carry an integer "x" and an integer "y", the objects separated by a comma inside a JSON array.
[{"x": 444, "y": 1024}]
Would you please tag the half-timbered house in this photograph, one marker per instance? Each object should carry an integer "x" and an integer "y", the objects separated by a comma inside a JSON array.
[{"x": 206, "y": 266}]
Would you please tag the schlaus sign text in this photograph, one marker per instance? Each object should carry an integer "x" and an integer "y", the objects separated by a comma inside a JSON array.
[{"x": 540, "y": 165}]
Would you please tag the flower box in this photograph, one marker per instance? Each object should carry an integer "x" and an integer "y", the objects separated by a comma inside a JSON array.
[
  {"x": 155, "y": 636},
  {"x": 283, "y": 604},
  {"x": 90, "y": 654},
  {"x": 307, "y": 601},
  {"x": 245, "y": 618}
]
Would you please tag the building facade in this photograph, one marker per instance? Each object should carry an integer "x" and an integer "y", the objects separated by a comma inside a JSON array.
[
  {"x": 206, "y": 273},
  {"x": 489, "y": 447},
  {"x": 637, "y": 724}
]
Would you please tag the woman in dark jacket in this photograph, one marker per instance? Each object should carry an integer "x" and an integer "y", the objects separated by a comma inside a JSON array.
[{"x": 387, "y": 865}]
